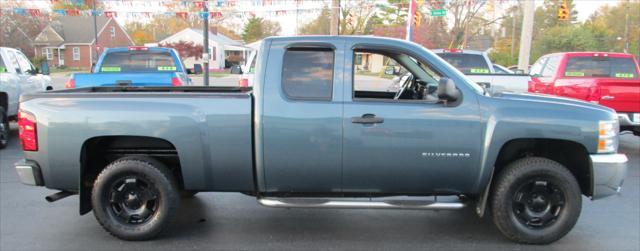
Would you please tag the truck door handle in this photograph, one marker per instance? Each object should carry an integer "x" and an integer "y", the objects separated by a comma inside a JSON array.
[
  {"x": 367, "y": 118},
  {"x": 608, "y": 97}
]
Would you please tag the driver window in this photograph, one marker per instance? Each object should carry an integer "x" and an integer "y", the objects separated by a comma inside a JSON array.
[{"x": 392, "y": 77}]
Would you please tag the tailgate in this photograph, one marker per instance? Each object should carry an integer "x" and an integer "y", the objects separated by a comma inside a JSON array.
[
  {"x": 622, "y": 95},
  {"x": 114, "y": 79}
]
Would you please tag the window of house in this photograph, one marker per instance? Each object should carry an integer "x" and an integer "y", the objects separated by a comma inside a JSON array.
[
  {"x": 113, "y": 32},
  {"x": 47, "y": 53},
  {"x": 76, "y": 53},
  {"x": 308, "y": 73}
]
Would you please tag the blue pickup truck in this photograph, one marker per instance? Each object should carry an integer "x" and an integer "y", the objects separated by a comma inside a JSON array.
[
  {"x": 320, "y": 129},
  {"x": 134, "y": 66}
]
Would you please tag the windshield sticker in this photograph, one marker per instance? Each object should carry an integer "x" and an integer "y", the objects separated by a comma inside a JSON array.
[
  {"x": 166, "y": 68},
  {"x": 110, "y": 69},
  {"x": 574, "y": 74},
  {"x": 624, "y": 75},
  {"x": 2, "y": 69},
  {"x": 480, "y": 70}
]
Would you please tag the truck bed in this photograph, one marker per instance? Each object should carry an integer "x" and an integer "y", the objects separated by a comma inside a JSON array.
[
  {"x": 111, "y": 90},
  {"x": 209, "y": 128}
]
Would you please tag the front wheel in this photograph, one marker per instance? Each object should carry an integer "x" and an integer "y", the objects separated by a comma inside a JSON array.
[
  {"x": 133, "y": 198},
  {"x": 536, "y": 201},
  {"x": 4, "y": 129}
]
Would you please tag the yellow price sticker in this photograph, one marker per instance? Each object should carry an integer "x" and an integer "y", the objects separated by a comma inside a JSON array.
[
  {"x": 574, "y": 74},
  {"x": 110, "y": 69},
  {"x": 624, "y": 75}
]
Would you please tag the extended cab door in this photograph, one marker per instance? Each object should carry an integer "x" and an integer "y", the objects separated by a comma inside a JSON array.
[
  {"x": 398, "y": 137},
  {"x": 301, "y": 114}
]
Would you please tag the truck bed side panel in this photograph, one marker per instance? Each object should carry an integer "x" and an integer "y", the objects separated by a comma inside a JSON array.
[{"x": 211, "y": 133}]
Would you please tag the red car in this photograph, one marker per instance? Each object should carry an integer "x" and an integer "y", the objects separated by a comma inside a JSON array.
[{"x": 608, "y": 79}]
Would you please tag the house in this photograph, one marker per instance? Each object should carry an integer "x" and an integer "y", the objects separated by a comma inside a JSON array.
[
  {"x": 70, "y": 41},
  {"x": 221, "y": 47}
]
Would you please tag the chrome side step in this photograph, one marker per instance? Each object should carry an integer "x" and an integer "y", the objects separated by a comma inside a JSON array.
[{"x": 357, "y": 203}]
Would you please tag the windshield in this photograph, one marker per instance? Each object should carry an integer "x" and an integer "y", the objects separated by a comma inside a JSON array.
[
  {"x": 467, "y": 63},
  {"x": 138, "y": 61},
  {"x": 601, "y": 67}
]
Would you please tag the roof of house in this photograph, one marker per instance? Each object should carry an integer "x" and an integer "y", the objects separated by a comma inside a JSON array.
[
  {"x": 219, "y": 38},
  {"x": 72, "y": 29}
]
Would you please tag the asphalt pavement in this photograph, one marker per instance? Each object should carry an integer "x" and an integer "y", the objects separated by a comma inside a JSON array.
[{"x": 230, "y": 221}]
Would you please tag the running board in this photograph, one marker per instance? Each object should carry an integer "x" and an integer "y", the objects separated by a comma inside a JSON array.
[{"x": 359, "y": 204}]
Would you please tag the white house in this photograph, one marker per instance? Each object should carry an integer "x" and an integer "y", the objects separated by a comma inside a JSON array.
[{"x": 220, "y": 46}]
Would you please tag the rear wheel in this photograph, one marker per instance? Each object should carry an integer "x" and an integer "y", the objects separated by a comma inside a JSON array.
[
  {"x": 133, "y": 198},
  {"x": 536, "y": 201},
  {"x": 4, "y": 129}
]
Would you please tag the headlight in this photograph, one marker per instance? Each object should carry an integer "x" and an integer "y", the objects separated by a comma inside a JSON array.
[{"x": 608, "y": 136}]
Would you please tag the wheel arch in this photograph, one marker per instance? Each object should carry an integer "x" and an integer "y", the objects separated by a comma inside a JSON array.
[
  {"x": 98, "y": 152},
  {"x": 571, "y": 154}
]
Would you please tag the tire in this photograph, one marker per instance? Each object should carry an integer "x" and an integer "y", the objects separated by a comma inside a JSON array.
[
  {"x": 535, "y": 201},
  {"x": 187, "y": 194},
  {"x": 134, "y": 198},
  {"x": 4, "y": 129}
]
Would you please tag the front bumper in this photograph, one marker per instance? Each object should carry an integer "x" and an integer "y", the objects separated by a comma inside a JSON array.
[
  {"x": 608, "y": 172},
  {"x": 629, "y": 119},
  {"x": 29, "y": 173}
]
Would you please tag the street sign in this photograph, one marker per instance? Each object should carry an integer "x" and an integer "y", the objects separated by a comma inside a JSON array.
[{"x": 438, "y": 13}]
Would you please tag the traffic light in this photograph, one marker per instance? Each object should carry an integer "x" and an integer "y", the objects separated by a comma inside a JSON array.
[
  {"x": 417, "y": 18},
  {"x": 563, "y": 12}
]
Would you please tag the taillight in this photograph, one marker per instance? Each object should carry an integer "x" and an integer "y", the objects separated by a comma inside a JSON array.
[
  {"x": 531, "y": 86},
  {"x": 175, "y": 81},
  {"x": 27, "y": 130},
  {"x": 243, "y": 82},
  {"x": 594, "y": 94},
  {"x": 71, "y": 83}
]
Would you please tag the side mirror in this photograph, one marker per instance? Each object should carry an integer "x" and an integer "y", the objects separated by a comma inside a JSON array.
[
  {"x": 236, "y": 69},
  {"x": 189, "y": 71},
  {"x": 447, "y": 90}
]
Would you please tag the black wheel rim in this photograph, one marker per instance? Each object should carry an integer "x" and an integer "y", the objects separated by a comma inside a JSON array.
[
  {"x": 538, "y": 203},
  {"x": 132, "y": 200},
  {"x": 4, "y": 133}
]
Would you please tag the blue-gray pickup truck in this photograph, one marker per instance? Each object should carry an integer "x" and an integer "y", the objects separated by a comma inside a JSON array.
[{"x": 320, "y": 130}]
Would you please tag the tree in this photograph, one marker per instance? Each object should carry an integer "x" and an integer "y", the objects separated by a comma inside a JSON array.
[
  {"x": 319, "y": 26},
  {"x": 258, "y": 28},
  {"x": 610, "y": 21},
  {"x": 185, "y": 49},
  {"x": 18, "y": 31},
  {"x": 355, "y": 19}
]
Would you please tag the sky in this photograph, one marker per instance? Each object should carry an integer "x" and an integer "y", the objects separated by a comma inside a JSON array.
[{"x": 289, "y": 25}]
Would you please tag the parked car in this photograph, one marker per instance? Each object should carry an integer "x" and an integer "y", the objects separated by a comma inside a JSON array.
[
  {"x": 315, "y": 133},
  {"x": 17, "y": 76},
  {"x": 478, "y": 67},
  {"x": 608, "y": 79},
  {"x": 134, "y": 66}
]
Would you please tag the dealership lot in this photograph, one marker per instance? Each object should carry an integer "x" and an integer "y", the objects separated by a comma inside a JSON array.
[{"x": 234, "y": 221}]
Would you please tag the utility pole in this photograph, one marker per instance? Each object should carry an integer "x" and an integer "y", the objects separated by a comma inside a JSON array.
[
  {"x": 412, "y": 12},
  {"x": 335, "y": 17},
  {"x": 626, "y": 27},
  {"x": 95, "y": 34},
  {"x": 526, "y": 36},
  {"x": 513, "y": 31},
  {"x": 207, "y": 54}
]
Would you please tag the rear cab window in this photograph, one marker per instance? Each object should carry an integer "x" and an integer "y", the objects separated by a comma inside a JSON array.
[
  {"x": 601, "y": 66},
  {"x": 308, "y": 73},
  {"x": 138, "y": 61},
  {"x": 467, "y": 63}
]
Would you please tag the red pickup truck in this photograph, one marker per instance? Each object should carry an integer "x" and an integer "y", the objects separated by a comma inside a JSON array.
[{"x": 608, "y": 79}]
